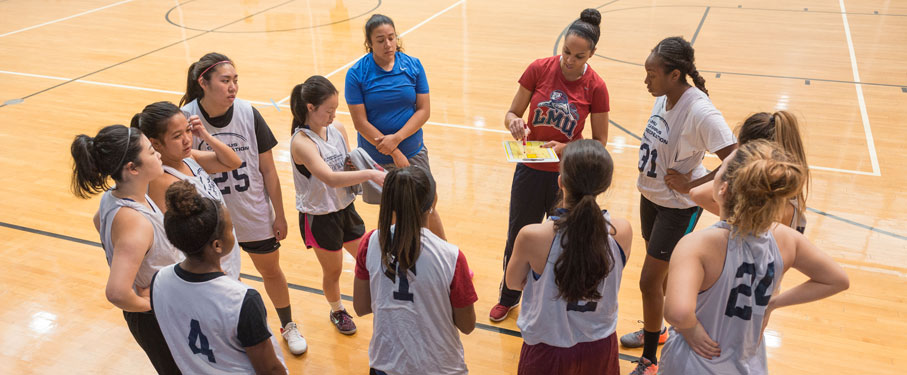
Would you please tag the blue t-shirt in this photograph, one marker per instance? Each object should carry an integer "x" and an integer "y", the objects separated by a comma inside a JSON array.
[{"x": 389, "y": 98}]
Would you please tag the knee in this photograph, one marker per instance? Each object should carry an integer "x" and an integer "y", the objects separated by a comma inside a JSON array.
[
  {"x": 650, "y": 283},
  {"x": 269, "y": 270},
  {"x": 331, "y": 273}
]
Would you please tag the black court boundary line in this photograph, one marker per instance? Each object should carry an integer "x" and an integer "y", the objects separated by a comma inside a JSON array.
[
  {"x": 482, "y": 326},
  {"x": 167, "y": 17},
  {"x": 148, "y": 53}
]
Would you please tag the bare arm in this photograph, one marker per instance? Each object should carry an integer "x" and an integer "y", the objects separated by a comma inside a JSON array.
[
  {"x": 702, "y": 195},
  {"x": 599, "y": 123},
  {"x": 157, "y": 190},
  {"x": 530, "y": 247},
  {"x": 306, "y": 153},
  {"x": 272, "y": 185},
  {"x": 685, "y": 277},
  {"x": 624, "y": 236},
  {"x": 826, "y": 277},
  {"x": 681, "y": 182},
  {"x": 362, "y": 297},
  {"x": 132, "y": 236},
  {"x": 264, "y": 358},
  {"x": 465, "y": 318},
  {"x": 513, "y": 120},
  {"x": 221, "y": 158}
]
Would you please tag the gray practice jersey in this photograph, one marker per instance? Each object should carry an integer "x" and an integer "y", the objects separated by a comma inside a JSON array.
[
  {"x": 243, "y": 188},
  {"x": 208, "y": 188},
  {"x": 162, "y": 253},
  {"x": 313, "y": 196},
  {"x": 548, "y": 319},
  {"x": 732, "y": 311}
]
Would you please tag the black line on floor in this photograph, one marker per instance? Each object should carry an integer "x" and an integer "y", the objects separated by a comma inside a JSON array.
[
  {"x": 167, "y": 17},
  {"x": 702, "y": 21}
]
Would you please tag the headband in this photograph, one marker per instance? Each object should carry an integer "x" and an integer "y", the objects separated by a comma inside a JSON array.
[
  {"x": 213, "y": 65},
  {"x": 125, "y": 151}
]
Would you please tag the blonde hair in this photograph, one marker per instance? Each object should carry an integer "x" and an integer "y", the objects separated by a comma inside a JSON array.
[
  {"x": 782, "y": 128},
  {"x": 761, "y": 179}
]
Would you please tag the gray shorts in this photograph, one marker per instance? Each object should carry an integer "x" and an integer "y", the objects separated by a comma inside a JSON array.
[{"x": 420, "y": 159}]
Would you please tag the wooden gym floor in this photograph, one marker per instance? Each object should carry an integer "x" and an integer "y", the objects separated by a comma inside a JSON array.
[{"x": 70, "y": 67}]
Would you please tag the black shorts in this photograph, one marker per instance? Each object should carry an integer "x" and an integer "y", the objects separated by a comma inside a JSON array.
[
  {"x": 267, "y": 246},
  {"x": 331, "y": 231},
  {"x": 663, "y": 227}
]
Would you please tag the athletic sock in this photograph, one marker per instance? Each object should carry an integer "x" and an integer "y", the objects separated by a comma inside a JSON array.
[
  {"x": 650, "y": 345},
  {"x": 336, "y": 305},
  {"x": 285, "y": 315}
]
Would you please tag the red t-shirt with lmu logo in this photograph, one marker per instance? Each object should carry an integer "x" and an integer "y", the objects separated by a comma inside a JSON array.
[{"x": 558, "y": 108}]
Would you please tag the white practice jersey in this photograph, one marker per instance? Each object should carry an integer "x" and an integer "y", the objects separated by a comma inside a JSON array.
[
  {"x": 313, "y": 196},
  {"x": 414, "y": 332},
  {"x": 200, "y": 320},
  {"x": 161, "y": 254},
  {"x": 243, "y": 188},
  {"x": 732, "y": 311},
  {"x": 206, "y": 186},
  {"x": 678, "y": 139},
  {"x": 546, "y": 318}
]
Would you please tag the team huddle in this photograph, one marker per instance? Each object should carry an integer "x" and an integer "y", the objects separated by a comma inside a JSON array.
[{"x": 195, "y": 183}]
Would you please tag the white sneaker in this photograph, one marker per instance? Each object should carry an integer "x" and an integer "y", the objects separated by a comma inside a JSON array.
[{"x": 294, "y": 339}]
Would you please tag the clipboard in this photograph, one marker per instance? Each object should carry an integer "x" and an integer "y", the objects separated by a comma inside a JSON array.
[{"x": 533, "y": 152}]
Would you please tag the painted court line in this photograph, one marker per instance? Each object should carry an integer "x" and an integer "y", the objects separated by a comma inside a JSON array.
[
  {"x": 65, "y": 18},
  {"x": 443, "y": 124},
  {"x": 418, "y": 25},
  {"x": 856, "y": 77}
]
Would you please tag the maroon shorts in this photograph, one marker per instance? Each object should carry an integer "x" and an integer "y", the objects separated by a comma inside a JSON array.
[{"x": 594, "y": 357}]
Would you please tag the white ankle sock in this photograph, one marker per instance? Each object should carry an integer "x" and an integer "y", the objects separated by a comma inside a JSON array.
[{"x": 336, "y": 305}]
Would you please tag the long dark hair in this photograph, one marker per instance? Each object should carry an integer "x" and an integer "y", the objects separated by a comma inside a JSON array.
[
  {"x": 152, "y": 121},
  {"x": 314, "y": 91},
  {"x": 586, "y": 260},
  {"x": 408, "y": 194},
  {"x": 676, "y": 53},
  {"x": 587, "y": 26},
  {"x": 192, "y": 221},
  {"x": 204, "y": 67},
  {"x": 95, "y": 159},
  {"x": 374, "y": 21}
]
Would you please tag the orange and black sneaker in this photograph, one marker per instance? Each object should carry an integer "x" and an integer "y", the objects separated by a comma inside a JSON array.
[{"x": 644, "y": 367}]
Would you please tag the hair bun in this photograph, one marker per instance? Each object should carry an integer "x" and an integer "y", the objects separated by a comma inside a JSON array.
[
  {"x": 183, "y": 199},
  {"x": 591, "y": 16}
]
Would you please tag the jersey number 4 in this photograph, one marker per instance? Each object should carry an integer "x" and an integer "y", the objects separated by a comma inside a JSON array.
[
  {"x": 647, "y": 157},
  {"x": 239, "y": 174},
  {"x": 762, "y": 294},
  {"x": 198, "y": 342}
]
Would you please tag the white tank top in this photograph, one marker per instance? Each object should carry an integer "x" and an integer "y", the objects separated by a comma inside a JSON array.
[
  {"x": 243, "y": 188},
  {"x": 313, "y": 196},
  {"x": 732, "y": 310},
  {"x": 678, "y": 139},
  {"x": 413, "y": 328},
  {"x": 546, "y": 318},
  {"x": 200, "y": 321},
  {"x": 208, "y": 188},
  {"x": 161, "y": 254}
]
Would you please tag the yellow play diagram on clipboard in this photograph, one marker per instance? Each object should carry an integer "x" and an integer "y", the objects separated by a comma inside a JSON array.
[{"x": 532, "y": 152}]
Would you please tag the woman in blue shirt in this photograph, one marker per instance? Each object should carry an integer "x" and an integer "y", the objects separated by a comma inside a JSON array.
[{"x": 387, "y": 94}]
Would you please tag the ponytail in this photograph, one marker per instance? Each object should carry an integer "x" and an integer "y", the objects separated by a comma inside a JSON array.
[
  {"x": 105, "y": 155},
  {"x": 203, "y": 68},
  {"x": 407, "y": 196},
  {"x": 761, "y": 179},
  {"x": 677, "y": 53},
  {"x": 587, "y": 258},
  {"x": 314, "y": 91}
]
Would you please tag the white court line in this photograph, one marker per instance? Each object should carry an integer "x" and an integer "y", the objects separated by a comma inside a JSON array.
[
  {"x": 442, "y": 124},
  {"x": 65, "y": 18},
  {"x": 856, "y": 78},
  {"x": 418, "y": 25}
]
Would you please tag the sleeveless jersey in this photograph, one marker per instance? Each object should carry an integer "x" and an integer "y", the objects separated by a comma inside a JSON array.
[
  {"x": 313, "y": 196},
  {"x": 243, "y": 188},
  {"x": 732, "y": 310},
  {"x": 208, "y": 188},
  {"x": 678, "y": 139},
  {"x": 798, "y": 221},
  {"x": 546, "y": 318},
  {"x": 200, "y": 321},
  {"x": 414, "y": 332},
  {"x": 161, "y": 254}
]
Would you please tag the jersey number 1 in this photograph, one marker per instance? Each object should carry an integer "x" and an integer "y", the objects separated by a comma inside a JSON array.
[{"x": 198, "y": 342}]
